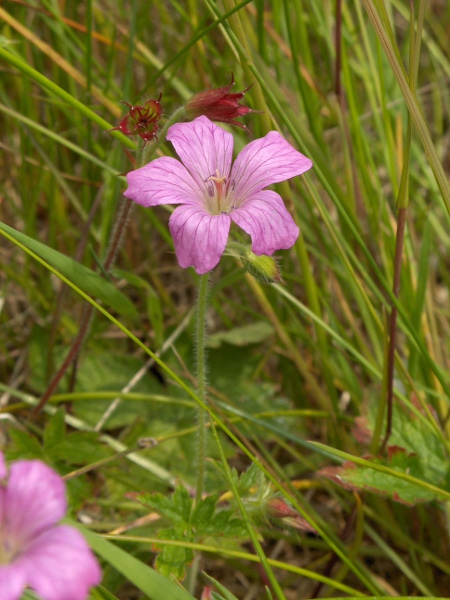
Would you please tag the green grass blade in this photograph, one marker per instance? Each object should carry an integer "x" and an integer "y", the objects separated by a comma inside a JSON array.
[{"x": 84, "y": 278}]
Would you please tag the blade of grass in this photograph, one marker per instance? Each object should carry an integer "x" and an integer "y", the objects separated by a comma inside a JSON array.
[
  {"x": 68, "y": 98},
  {"x": 386, "y": 38}
]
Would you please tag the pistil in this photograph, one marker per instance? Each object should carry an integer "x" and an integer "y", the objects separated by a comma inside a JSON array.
[{"x": 218, "y": 182}]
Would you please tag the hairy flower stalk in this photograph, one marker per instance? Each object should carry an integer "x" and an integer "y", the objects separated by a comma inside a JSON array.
[
  {"x": 52, "y": 559},
  {"x": 213, "y": 193},
  {"x": 200, "y": 352}
]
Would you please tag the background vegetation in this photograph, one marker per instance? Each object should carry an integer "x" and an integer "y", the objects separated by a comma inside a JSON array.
[{"x": 299, "y": 372}]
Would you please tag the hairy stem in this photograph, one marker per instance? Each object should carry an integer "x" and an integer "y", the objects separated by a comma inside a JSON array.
[{"x": 200, "y": 334}]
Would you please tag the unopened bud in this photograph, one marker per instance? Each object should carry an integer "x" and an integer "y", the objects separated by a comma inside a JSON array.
[
  {"x": 280, "y": 509},
  {"x": 263, "y": 268},
  {"x": 218, "y": 104}
]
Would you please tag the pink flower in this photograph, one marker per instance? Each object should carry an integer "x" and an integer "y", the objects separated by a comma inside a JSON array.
[
  {"x": 54, "y": 560},
  {"x": 212, "y": 194}
]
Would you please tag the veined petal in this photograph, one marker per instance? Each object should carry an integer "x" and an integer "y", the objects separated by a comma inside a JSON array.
[
  {"x": 35, "y": 499},
  {"x": 59, "y": 564},
  {"x": 199, "y": 238},
  {"x": 203, "y": 147},
  {"x": 265, "y": 161},
  {"x": 163, "y": 181},
  {"x": 12, "y": 582},
  {"x": 265, "y": 218}
]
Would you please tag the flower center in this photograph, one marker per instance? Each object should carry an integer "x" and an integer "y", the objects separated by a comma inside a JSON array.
[{"x": 219, "y": 199}]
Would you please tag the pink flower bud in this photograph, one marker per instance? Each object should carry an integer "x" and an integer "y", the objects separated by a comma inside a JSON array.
[
  {"x": 279, "y": 509},
  {"x": 207, "y": 593},
  {"x": 218, "y": 105}
]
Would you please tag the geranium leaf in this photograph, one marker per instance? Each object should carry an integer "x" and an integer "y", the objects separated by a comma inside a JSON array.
[
  {"x": 353, "y": 477},
  {"x": 415, "y": 450}
]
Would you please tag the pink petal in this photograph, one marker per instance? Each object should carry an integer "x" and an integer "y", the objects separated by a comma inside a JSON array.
[
  {"x": 60, "y": 565},
  {"x": 163, "y": 181},
  {"x": 34, "y": 500},
  {"x": 265, "y": 218},
  {"x": 199, "y": 238},
  {"x": 265, "y": 161},
  {"x": 12, "y": 582},
  {"x": 3, "y": 469},
  {"x": 2, "y": 507},
  {"x": 203, "y": 147}
]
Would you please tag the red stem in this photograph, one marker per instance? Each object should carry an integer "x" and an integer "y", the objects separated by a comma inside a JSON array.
[
  {"x": 87, "y": 312},
  {"x": 399, "y": 242}
]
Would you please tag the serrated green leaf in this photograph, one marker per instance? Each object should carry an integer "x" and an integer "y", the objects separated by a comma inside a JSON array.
[
  {"x": 88, "y": 281},
  {"x": 176, "y": 508},
  {"x": 55, "y": 430},
  {"x": 23, "y": 446},
  {"x": 415, "y": 451},
  {"x": 79, "y": 448},
  {"x": 78, "y": 489},
  {"x": 218, "y": 523},
  {"x": 250, "y": 478},
  {"x": 236, "y": 528},
  {"x": 203, "y": 512},
  {"x": 172, "y": 561},
  {"x": 182, "y": 502},
  {"x": 413, "y": 434},
  {"x": 222, "y": 524},
  {"x": 355, "y": 477}
]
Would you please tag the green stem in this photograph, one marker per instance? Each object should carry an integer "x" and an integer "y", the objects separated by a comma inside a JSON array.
[{"x": 200, "y": 335}]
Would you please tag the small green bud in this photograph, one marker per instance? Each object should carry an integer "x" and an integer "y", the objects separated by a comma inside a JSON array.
[{"x": 263, "y": 268}]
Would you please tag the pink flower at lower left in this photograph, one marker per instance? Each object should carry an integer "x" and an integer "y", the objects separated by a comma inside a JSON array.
[{"x": 54, "y": 560}]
